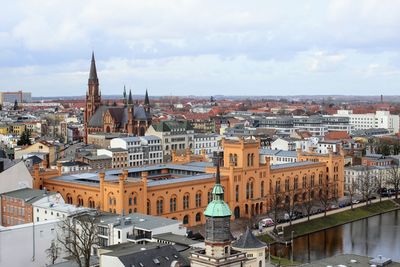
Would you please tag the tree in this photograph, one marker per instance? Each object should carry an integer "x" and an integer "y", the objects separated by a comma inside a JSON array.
[
  {"x": 308, "y": 202},
  {"x": 394, "y": 177},
  {"x": 289, "y": 207},
  {"x": 15, "y": 104},
  {"x": 367, "y": 184},
  {"x": 352, "y": 189},
  {"x": 79, "y": 235},
  {"x": 324, "y": 197},
  {"x": 53, "y": 252},
  {"x": 275, "y": 204},
  {"x": 25, "y": 138}
]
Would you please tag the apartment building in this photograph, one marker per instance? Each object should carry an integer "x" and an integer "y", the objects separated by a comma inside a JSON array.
[
  {"x": 175, "y": 135},
  {"x": 16, "y": 206},
  {"x": 379, "y": 119},
  {"x": 206, "y": 142},
  {"x": 119, "y": 156},
  {"x": 140, "y": 150}
]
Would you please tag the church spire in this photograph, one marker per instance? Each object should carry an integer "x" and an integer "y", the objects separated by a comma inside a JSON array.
[
  {"x": 146, "y": 99},
  {"x": 130, "y": 100},
  {"x": 93, "y": 71}
]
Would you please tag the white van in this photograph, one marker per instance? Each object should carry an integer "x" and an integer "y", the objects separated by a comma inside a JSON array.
[{"x": 266, "y": 222}]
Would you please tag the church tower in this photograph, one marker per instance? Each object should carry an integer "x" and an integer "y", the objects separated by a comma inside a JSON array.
[
  {"x": 131, "y": 114},
  {"x": 218, "y": 236},
  {"x": 93, "y": 96},
  {"x": 147, "y": 102}
]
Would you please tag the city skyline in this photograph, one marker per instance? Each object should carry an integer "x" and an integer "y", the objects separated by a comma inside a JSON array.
[{"x": 202, "y": 48}]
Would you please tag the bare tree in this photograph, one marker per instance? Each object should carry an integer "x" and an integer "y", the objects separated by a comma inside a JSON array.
[
  {"x": 53, "y": 252},
  {"x": 275, "y": 204},
  {"x": 379, "y": 184},
  {"x": 352, "y": 190},
  {"x": 289, "y": 207},
  {"x": 325, "y": 198},
  {"x": 367, "y": 184},
  {"x": 308, "y": 201},
  {"x": 79, "y": 235},
  {"x": 394, "y": 177}
]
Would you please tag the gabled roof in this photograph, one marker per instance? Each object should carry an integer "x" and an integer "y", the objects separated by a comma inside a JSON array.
[
  {"x": 167, "y": 126},
  {"x": 248, "y": 240},
  {"x": 337, "y": 135}
]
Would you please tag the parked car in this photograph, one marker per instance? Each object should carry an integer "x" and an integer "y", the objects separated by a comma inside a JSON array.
[
  {"x": 266, "y": 222},
  {"x": 355, "y": 201}
]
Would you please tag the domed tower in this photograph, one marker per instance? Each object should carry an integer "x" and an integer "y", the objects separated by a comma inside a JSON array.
[
  {"x": 218, "y": 238},
  {"x": 218, "y": 233}
]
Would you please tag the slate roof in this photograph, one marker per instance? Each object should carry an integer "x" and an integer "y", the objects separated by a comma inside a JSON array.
[
  {"x": 248, "y": 240},
  {"x": 167, "y": 126},
  {"x": 162, "y": 256},
  {"x": 29, "y": 195},
  {"x": 120, "y": 115}
]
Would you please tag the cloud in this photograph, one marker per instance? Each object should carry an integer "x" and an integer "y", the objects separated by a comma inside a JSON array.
[{"x": 201, "y": 43}]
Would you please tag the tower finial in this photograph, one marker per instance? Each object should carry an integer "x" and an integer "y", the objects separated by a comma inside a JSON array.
[
  {"x": 130, "y": 100},
  {"x": 146, "y": 99},
  {"x": 93, "y": 71},
  {"x": 217, "y": 175}
]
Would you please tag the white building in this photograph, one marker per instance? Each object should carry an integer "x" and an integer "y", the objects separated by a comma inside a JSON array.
[
  {"x": 379, "y": 119},
  {"x": 175, "y": 135},
  {"x": 141, "y": 150},
  {"x": 354, "y": 175},
  {"x": 14, "y": 175},
  {"x": 208, "y": 142},
  {"x": 135, "y": 227},
  {"x": 25, "y": 245},
  {"x": 277, "y": 156}
]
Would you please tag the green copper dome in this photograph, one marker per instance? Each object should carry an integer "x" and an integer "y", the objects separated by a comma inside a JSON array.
[{"x": 217, "y": 207}]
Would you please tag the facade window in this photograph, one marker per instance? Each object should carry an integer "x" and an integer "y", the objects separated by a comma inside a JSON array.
[
  {"x": 185, "y": 201},
  {"x": 209, "y": 196},
  {"x": 262, "y": 189},
  {"x": 249, "y": 190},
  {"x": 278, "y": 186},
  {"x": 198, "y": 199},
  {"x": 185, "y": 219},
  {"x": 130, "y": 201},
  {"x": 287, "y": 185},
  {"x": 237, "y": 193},
  {"x": 148, "y": 207},
  {"x": 160, "y": 206},
  {"x": 296, "y": 183},
  {"x": 198, "y": 217},
  {"x": 304, "y": 182},
  {"x": 172, "y": 204}
]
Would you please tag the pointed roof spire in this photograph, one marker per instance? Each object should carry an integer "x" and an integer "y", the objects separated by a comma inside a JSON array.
[
  {"x": 124, "y": 94},
  {"x": 130, "y": 100},
  {"x": 146, "y": 99},
  {"x": 248, "y": 240},
  {"x": 93, "y": 71},
  {"x": 217, "y": 175}
]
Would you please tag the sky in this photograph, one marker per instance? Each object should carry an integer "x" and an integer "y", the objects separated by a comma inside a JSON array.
[{"x": 201, "y": 47}]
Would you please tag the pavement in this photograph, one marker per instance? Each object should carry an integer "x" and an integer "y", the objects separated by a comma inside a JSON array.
[{"x": 312, "y": 217}]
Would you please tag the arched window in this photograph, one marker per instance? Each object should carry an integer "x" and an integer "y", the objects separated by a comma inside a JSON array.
[
  {"x": 262, "y": 189},
  {"x": 130, "y": 211},
  {"x": 69, "y": 199},
  {"x": 148, "y": 207},
  {"x": 198, "y": 217},
  {"x": 209, "y": 196},
  {"x": 172, "y": 204},
  {"x": 185, "y": 219},
  {"x": 320, "y": 178},
  {"x": 235, "y": 159},
  {"x": 287, "y": 185},
  {"x": 304, "y": 182},
  {"x": 249, "y": 189},
  {"x": 312, "y": 180},
  {"x": 252, "y": 159},
  {"x": 130, "y": 201},
  {"x": 296, "y": 183},
  {"x": 198, "y": 199},
  {"x": 186, "y": 201},
  {"x": 160, "y": 206},
  {"x": 80, "y": 201},
  {"x": 278, "y": 186}
]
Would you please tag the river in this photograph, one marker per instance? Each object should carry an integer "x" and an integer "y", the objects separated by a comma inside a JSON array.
[{"x": 377, "y": 235}]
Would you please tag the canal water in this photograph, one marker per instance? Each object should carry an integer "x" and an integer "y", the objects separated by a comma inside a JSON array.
[{"x": 378, "y": 235}]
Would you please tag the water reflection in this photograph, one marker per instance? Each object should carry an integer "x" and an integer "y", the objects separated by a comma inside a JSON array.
[{"x": 378, "y": 235}]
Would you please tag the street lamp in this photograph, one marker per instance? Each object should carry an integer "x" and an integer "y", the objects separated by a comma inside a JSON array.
[{"x": 292, "y": 245}]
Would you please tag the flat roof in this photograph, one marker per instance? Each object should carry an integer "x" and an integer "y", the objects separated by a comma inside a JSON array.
[
  {"x": 139, "y": 220},
  {"x": 180, "y": 180},
  {"x": 294, "y": 164}
]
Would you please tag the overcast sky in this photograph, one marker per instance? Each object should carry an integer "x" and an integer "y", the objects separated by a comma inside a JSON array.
[{"x": 201, "y": 47}]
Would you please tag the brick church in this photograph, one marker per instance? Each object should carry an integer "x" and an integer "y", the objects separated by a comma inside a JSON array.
[{"x": 99, "y": 118}]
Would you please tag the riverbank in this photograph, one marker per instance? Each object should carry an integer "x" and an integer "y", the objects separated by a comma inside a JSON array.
[{"x": 339, "y": 218}]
